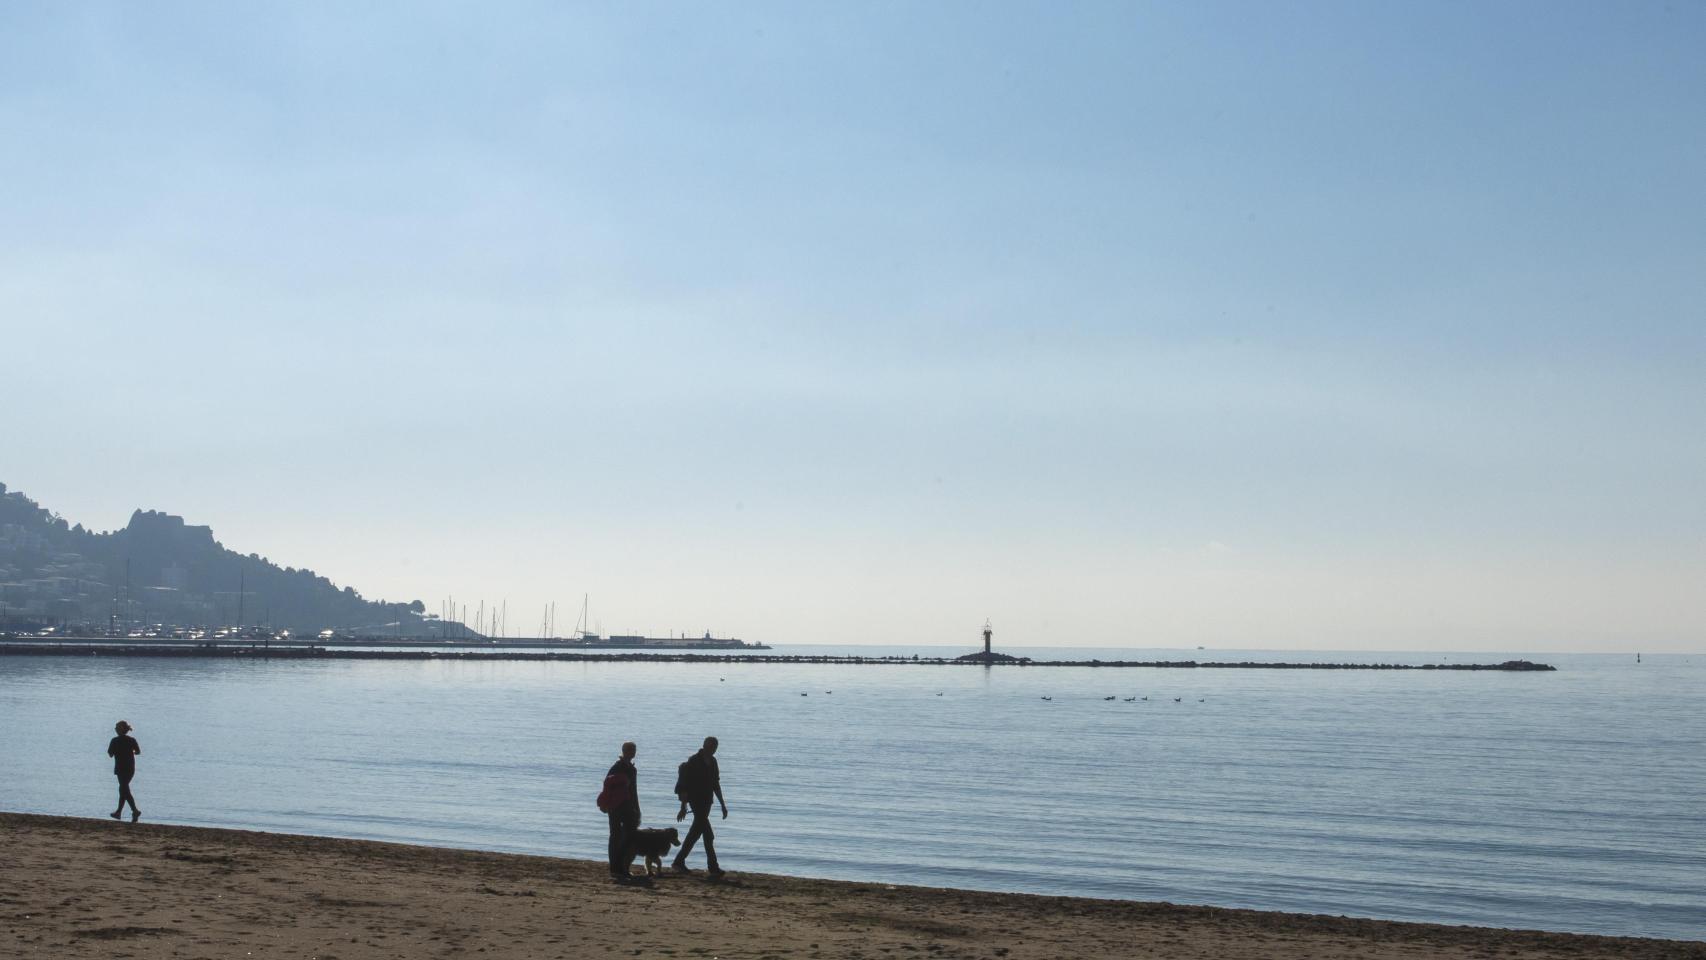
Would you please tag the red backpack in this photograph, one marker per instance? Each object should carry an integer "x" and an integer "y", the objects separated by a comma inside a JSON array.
[{"x": 615, "y": 793}]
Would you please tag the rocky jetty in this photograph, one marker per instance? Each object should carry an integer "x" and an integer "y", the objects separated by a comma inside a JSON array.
[
  {"x": 983, "y": 657},
  {"x": 85, "y": 647}
]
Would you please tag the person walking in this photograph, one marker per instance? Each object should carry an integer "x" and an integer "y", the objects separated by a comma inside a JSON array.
[
  {"x": 625, "y": 815},
  {"x": 697, "y": 781},
  {"x": 124, "y": 749}
]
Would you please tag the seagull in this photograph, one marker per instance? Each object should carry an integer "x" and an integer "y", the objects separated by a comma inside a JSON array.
[
  {"x": 1048, "y": 698},
  {"x": 1107, "y": 698},
  {"x": 1132, "y": 699},
  {"x": 805, "y": 694},
  {"x": 1175, "y": 699},
  {"x": 1202, "y": 701}
]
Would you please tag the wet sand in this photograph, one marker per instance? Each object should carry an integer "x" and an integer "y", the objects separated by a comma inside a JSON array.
[{"x": 73, "y": 888}]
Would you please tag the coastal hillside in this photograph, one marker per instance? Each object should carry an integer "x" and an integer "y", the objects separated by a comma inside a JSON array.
[{"x": 161, "y": 570}]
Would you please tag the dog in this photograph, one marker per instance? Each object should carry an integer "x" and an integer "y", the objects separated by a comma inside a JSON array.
[{"x": 654, "y": 846}]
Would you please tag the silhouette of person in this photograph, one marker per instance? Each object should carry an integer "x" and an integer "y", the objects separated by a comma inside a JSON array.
[
  {"x": 698, "y": 783},
  {"x": 124, "y": 749},
  {"x": 624, "y": 819}
]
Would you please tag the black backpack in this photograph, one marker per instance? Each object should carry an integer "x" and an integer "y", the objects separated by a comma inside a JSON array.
[{"x": 690, "y": 779}]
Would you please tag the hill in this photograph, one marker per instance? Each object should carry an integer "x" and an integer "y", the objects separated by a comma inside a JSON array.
[{"x": 159, "y": 569}]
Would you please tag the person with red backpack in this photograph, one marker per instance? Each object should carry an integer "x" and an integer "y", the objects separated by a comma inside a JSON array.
[{"x": 620, "y": 800}]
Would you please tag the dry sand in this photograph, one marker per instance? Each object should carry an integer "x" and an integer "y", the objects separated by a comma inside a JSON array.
[{"x": 72, "y": 888}]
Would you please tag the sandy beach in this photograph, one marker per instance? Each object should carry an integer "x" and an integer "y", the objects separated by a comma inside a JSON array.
[{"x": 95, "y": 888}]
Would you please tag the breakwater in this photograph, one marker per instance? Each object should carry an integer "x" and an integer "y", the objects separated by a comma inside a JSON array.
[{"x": 309, "y": 652}]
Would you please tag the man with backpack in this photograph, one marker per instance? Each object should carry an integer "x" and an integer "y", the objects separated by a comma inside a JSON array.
[
  {"x": 620, "y": 799},
  {"x": 696, "y": 782}
]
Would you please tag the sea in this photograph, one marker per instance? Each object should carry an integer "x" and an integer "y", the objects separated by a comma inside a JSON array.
[{"x": 1565, "y": 801}]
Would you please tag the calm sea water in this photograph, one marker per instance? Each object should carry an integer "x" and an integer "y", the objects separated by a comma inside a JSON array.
[{"x": 1561, "y": 801}]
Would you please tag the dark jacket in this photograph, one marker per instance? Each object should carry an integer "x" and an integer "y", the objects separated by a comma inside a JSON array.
[
  {"x": 631, "y": 809},
  {"x": 700, "y": 780}
]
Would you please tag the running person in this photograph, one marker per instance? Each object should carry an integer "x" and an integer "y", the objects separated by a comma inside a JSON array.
[{"x": 124, "y": 749}]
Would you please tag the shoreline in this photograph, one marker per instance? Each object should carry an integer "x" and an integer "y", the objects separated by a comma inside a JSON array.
[{"x": 88, "y": 887}]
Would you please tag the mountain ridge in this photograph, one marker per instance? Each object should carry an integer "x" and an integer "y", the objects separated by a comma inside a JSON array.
[{"x": 161, "y": 569}]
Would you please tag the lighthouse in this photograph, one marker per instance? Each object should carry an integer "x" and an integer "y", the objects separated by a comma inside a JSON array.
[{"x": 989, "y": 656}]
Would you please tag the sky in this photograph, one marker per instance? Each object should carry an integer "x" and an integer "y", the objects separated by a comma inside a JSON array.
[{"x": 1305, "y": 325}]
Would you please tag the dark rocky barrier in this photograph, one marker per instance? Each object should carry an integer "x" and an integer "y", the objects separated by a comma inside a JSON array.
[{"x": 303, "y": 652}]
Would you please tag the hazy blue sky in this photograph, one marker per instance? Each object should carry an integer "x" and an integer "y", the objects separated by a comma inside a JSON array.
[{"x": 1341, "y": 325}]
